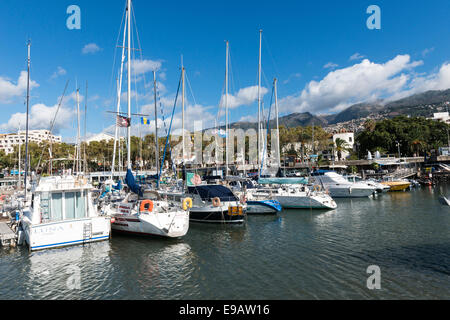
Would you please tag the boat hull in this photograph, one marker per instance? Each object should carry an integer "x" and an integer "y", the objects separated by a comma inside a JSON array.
[
  {"x": 210, "y": 214},
  {"x": 263, "y": 207},
  {"x": 306, "y": 202},
  {"x": 66, "y": 233},
  {"x": 350, "y": 192},
  {"x": 169, "y": 225},
  {"x": 397, "y": 186}
]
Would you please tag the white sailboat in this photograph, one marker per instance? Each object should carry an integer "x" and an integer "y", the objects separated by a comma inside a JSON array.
[{"x": 144, "y": 213}]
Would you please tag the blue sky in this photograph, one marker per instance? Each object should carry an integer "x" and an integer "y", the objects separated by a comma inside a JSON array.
[{"x": 322, "y": 52}]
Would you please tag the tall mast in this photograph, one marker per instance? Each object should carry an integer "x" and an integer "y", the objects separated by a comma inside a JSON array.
[
  {"x": 78, "y": 133},
  {"x": 129, "y": 86},
  {"x": 85, "y": 129},
  {"x": 26, "y": 134},
  {"x": 278, "y": 128},
  {"x": 182, "y": 104},
  {"x": 119, "y": 95},
  {"x": 156, "y": 128},
  {"x": 226, "y": 110},
  {"x": 259, "y": 100},
  {"x": 20, "y": 147}
]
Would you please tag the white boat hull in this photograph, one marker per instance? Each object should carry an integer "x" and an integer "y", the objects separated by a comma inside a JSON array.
[
  {"x": 306, "y": 202},
  {"x": 172, "y": 224},
  {"x": 66, "y": 233},
  {"x": 350, "y": 192}
]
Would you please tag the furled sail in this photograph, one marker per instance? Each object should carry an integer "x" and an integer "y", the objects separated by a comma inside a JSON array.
[{"x": 131, "y": 183}]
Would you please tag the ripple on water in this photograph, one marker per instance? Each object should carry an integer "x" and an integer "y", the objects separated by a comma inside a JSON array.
[{"x": 298, "y": 254}]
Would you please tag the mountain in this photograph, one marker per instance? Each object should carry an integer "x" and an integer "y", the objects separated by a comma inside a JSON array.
[
  {"x": 356, "y": 111},
  {"x": 289, "y": 121},
  {"x": 422, "y": 104}
]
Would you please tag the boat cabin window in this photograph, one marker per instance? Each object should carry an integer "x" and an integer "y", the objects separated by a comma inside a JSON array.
[
  {"x": 56, "y": 213},
  {"x": 60, "y": 206}
]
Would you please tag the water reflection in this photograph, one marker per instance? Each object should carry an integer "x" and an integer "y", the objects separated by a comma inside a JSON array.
[{"x": 297, "y": 254}]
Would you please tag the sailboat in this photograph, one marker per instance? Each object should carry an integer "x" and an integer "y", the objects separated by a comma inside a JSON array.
[
  {"x": 59, "y": 211},
  {"x": 290, "y": 192},
  {"x": 144, "y": 212}
]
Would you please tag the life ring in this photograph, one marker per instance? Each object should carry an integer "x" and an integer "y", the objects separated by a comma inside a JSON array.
[
  {"x": 144, "y": 208},
  {"x": 187, "y": 204},
  {"x": 316, "y": 187},
  {"x": 216, "y": 202},
  {"x": 243, "y": 199},
  {"x": 3, "y": 197}
]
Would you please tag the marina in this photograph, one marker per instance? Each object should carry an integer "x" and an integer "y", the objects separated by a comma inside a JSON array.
[
  {"x": 296, "y": 254},
  {"x": 338, "y": 191}
]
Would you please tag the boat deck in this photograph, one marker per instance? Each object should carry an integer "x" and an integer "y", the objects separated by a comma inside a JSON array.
[{"x": 7, "y": 236}]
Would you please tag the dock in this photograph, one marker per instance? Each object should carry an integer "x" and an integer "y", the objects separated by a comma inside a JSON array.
[{"x": 7, "y": 236}]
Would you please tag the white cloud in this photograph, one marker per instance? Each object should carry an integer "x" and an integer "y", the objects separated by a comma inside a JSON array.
[
  {"x": 292, "y": 76},
  {"x": 9, "y": 91},
  {"x": 41, "y": 116},
  {"x": 143, "y": 66},
  {"x": 361, "y": 82},
  {"x": 59, "y": 72},
  {"x": 427, "y": 51},
  {"x": 330, "y": 65},
  {"x": 356, "y": 56},
  {"x": 245, "y": 96},
  {"x": 90, "y": 48}
]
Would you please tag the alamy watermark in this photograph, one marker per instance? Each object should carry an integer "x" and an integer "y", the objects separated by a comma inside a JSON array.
[
  {"x": 219, "y": 147},
  {"x": 74, "y": 20},
  {"x": 374, "y": 280},
  {"x": 374, "y": 21}
]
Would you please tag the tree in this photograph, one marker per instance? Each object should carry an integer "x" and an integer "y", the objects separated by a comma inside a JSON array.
[{"x": 340, "y": 145}]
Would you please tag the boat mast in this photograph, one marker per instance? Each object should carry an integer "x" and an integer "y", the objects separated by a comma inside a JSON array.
[
  {"x": 119, "y": 89},
  {"x": 156, "y": 129},
  {"x": 278, "y": 128},
  {"x": 182, "y": 105},
  {"x": 85, "y": 129},
  {"x": 129, "y": 86},
  {"x": 78, "y": 133},
  {"x": 259, "y": 101},
  {"x": 26, "y": 134},
  {"x": 226, "y": 111},
  {"x": 20, "y": 147}
]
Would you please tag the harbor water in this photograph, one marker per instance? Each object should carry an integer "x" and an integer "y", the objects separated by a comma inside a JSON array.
[{"x": 297, "y": 254}]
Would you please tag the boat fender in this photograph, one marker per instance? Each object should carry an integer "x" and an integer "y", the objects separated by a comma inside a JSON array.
[
  {"x": 216, "y": 202},
  {"x": 187, "y": 204},
  {"x": 146, "y": 206}
]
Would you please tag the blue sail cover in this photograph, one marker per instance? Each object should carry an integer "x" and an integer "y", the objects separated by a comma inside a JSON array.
[
  {"x": 118, "y": 186},
  {"x": 131, "y": 183}
]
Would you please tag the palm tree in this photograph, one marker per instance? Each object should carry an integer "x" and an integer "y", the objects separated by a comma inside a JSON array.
[
  {"x": 417, "y": 145},
  {"x": 341, "y": 146}
]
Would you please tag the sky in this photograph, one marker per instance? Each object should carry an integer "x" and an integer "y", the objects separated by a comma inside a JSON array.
[{"x": 322, "y": 53}]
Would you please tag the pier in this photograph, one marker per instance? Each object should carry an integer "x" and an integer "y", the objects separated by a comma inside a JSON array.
[{"x": 7, "y": 235}]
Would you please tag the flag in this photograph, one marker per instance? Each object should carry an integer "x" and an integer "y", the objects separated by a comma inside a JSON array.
[
  {"x": 145, "y": 121},
  {"x": 193, "y": 179},
  {"x": 123, "y": 122}
]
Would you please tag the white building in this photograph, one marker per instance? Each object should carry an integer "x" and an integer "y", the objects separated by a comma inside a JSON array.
[
  {"x": 100, "y": 137},
  {"x": 348, "y": 137},
  {"x": 8, "y": 141},
  {"x": 441, "y": 116}
]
